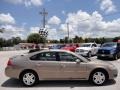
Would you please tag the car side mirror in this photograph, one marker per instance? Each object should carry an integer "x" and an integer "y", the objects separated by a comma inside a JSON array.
[{"x": 77, "y": 61}]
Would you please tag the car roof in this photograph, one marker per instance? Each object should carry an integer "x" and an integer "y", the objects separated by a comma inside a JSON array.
[
  {"x": 110, "y": 43},
  {"x": 88, "y": 43},
  {"x": 51, "y": 50}
]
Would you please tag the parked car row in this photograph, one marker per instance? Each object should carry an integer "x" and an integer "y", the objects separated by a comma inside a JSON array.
[
  {"x": 87, "y": 49},
  {"x": 106, "y": 50},
  {"x": 111, "y": 50}
]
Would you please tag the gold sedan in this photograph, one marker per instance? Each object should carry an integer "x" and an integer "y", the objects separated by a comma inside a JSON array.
[{"x": 58, "y": 65}]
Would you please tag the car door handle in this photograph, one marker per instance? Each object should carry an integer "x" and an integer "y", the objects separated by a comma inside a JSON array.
[
  {"x": 38, "y": 64},
  {"x": 63, "y": 66}
]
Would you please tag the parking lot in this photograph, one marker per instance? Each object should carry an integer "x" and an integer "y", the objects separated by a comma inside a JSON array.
[{"x": 7, "y": 83}]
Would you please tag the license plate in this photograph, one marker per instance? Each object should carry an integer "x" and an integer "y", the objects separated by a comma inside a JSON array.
[{"x": 102, "y": 55}]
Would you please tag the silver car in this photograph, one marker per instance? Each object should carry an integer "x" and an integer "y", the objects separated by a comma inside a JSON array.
[{"x": 58, "y": 65}]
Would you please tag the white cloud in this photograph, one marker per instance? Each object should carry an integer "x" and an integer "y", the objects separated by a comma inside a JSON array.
[
  {"x": 52, "y": 32},
  {"x": 27, "y": 2},
  {"x": 12, "y": 31},
  {"x": 107, "y": 6},
  {"x": 6, "y": 19},
  {"x": 90, "y": 25},
  {"x": 63, "y": 12},
  {"x": 34, "y": 29},
  {"x": 54, "y": 20}
]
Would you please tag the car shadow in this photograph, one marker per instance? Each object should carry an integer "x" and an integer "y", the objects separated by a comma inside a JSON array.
[{"x": 15, "y": 83}]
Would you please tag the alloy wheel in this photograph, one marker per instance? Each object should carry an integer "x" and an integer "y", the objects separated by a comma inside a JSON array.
[
  {"x": 99, "y": 78},
  {"x": 29, "y": 79}
]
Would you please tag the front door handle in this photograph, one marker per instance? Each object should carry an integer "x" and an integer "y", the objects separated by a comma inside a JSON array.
[{"x": 63, "y": 66}]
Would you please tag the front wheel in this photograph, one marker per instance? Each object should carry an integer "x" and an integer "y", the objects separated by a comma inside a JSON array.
[
  {"x": 116, "y": 56},
  {"x": 98, "y": 78},
  {"x": 89, "y": 54}
]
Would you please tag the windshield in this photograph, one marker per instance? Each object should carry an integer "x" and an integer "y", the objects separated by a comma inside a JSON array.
[
  {"x": 86, "y": 45},
  {"x": 109, "y": 45},
  {"x": 82, "y": 58}
]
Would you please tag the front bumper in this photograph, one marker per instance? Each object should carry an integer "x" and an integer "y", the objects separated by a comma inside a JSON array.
[
  {"x": 82, "y": 53},
  {"x": 105, "y": 55},
  {"x": 113, "y": 74}
]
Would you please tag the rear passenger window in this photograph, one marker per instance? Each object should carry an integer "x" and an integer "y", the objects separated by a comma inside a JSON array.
[{"x": 46, "y": 56}]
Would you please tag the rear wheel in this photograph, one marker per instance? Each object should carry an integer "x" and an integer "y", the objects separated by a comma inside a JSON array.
[
  {"x": 98, "y": 78},
  {"x": 29, "y": 78}
]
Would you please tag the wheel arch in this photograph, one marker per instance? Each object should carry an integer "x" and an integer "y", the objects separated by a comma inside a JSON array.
[
  {"x": 26, "y": 70},
  {"x": 99, "y": 69}
]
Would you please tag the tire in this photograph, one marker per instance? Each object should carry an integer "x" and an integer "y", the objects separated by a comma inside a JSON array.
[
  {"x": 115, "y": 56},
  {"x": 98, "y": 57},
  {"x": 29, "y": 78},
  {"x": 98, "y": 78},
  {"x": 89, "y": 54}
]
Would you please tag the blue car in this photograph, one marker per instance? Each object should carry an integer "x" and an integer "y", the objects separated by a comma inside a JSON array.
[
  {"x": 56, "y": 46},
  {"x": 110, "y": 50}
]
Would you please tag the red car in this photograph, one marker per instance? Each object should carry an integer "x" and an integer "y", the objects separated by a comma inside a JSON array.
[{"x": 70, "y": 47}]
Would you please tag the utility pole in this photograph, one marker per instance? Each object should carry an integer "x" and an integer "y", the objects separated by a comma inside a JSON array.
[
  {"x": 68, "y": 31},
  {"x": 44, "y": 14}
]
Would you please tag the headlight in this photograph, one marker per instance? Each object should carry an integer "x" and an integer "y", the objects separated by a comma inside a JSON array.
[
  {"x": 112, "y": 51},
  {"x": 112, "y": 67},
  {"x": 77, "y": 50}
]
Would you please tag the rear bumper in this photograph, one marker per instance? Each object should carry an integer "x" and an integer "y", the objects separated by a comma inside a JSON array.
[{"x": 12, "y": 72}]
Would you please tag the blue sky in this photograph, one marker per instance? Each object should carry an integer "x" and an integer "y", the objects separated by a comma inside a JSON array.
[{"x": 21, "y": 17}]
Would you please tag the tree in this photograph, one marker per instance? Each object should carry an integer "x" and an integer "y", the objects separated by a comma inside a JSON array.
[
  {"x": 2, "y": 30},
  {"x": 35, "y": 38},
  {"x": 16, "y": 40},
  {"x": 116, "y": 39},
  {"x": 66, "y": 40},
  {"x": 61, "y": 40},
  {"x": 76, "y": 39},
  {"x": 1, "y": 42}
]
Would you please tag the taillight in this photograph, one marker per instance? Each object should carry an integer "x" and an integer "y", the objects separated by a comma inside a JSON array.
[{"x": 10, "y": 62}]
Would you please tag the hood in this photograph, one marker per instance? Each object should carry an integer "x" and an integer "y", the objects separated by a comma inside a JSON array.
[
  {"x": 85, "y": 48},
  {"x": 107, "y": 48},
  {"x": 101, "y": 62}
]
